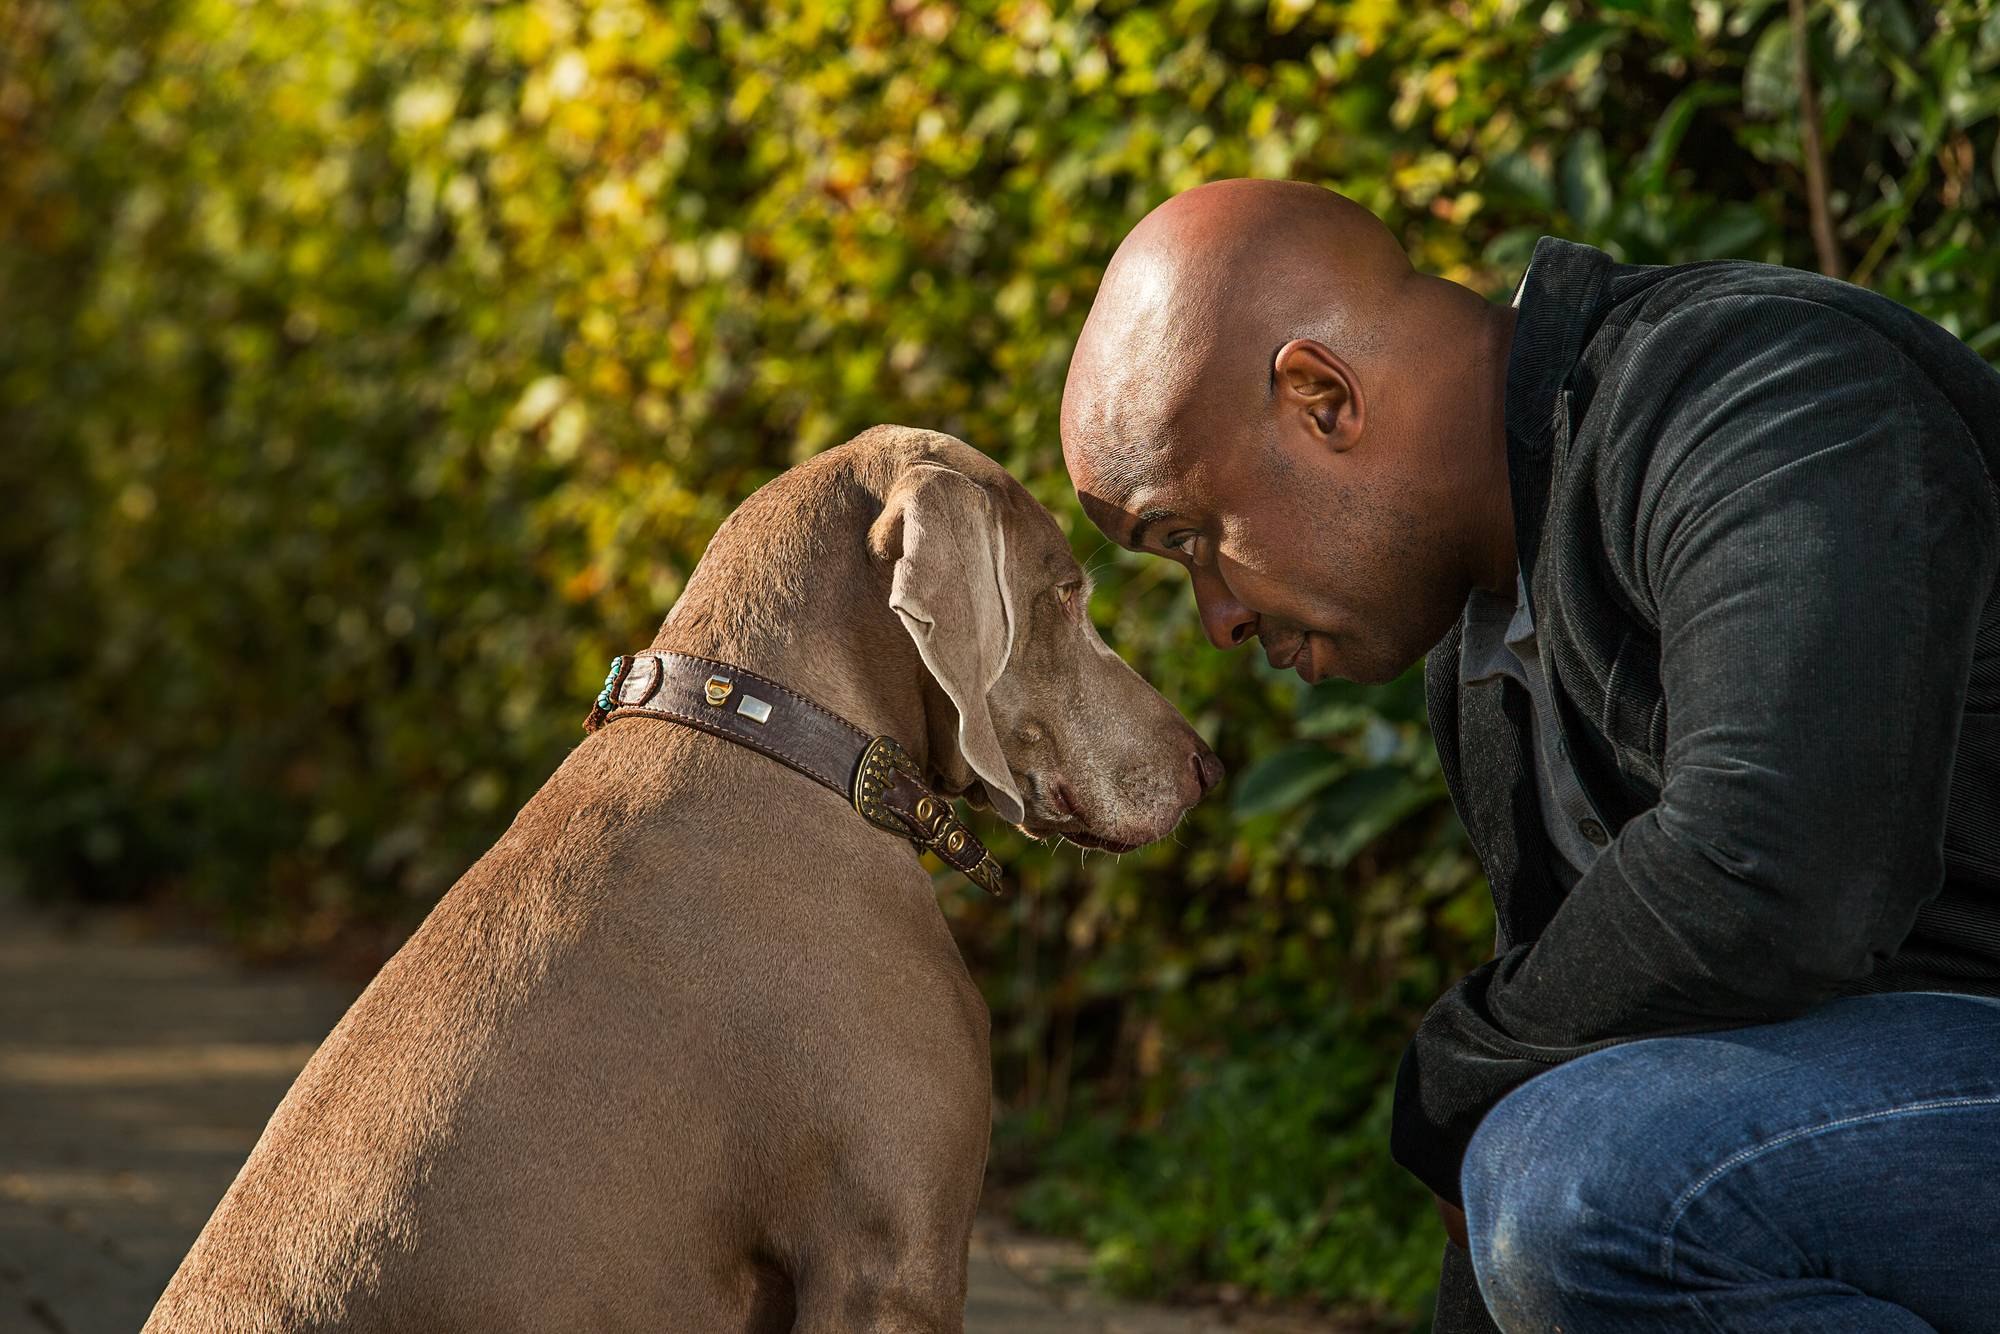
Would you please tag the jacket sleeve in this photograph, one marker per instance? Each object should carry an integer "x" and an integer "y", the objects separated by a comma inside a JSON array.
[{"x": 1814, "y": 538}]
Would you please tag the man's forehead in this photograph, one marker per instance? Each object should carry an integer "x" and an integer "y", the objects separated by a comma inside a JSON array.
[{"x": 1159, "y": 464}]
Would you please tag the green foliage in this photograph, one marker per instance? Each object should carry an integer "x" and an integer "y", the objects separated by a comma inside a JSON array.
[
  {"x": 1270, "y": 1172},
  {"x": 373, "y": 371}
]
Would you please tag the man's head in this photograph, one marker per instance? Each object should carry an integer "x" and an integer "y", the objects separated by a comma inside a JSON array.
[{"x": 1266, "y": 392}]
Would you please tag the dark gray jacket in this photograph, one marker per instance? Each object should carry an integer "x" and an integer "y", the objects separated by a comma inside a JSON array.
[{"x": 1757, "y": 514}]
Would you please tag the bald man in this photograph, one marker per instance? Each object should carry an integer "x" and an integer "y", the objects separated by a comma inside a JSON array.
[{"x": 1704, "y": 565}]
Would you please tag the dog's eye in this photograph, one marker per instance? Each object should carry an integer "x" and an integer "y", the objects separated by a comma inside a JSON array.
[{"x": 1069, "y": 595}]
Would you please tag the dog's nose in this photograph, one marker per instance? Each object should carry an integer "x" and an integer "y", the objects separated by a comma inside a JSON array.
[{"x": 1207, "y": 771}]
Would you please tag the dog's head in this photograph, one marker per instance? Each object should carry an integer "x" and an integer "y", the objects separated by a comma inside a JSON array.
[{"x": 1054, "y": 731}]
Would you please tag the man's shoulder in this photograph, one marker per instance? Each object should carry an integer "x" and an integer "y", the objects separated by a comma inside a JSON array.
[
  {"x": 1765, "y": 361},
  {"x": 1699, "y": 381},
  {"x": 1687, "y": 314},
  {"x": 1705, "y": 302}
]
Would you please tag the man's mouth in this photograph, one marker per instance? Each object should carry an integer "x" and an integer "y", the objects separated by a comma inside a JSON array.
[{"x": 1298, "y": 659}]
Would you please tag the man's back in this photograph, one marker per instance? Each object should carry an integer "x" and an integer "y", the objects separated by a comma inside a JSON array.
[
  {"x": 1955, "y": 942},
  {"x": 1648, "y": 442}
]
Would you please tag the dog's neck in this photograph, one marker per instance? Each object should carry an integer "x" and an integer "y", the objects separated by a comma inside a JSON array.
[{"x": 807, "y": 606}]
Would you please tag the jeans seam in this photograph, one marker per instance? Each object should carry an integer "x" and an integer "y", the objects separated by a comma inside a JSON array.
[
  {"x": 1700, "y": 1310},
  {"x": 1741, "y": 1156}
]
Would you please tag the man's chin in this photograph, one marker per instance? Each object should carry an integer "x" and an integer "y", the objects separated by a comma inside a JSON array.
[
  {"x": 1317, "y": 660},
  {"x": 1321, "y": 661},
  {"x": 1308, "y": 664}
]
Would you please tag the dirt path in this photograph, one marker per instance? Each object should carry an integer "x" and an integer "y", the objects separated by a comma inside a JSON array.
[{"x": 136, "y": 1073}]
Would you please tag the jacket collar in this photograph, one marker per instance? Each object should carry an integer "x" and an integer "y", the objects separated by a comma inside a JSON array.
[{"x": 1561, "y": 302}]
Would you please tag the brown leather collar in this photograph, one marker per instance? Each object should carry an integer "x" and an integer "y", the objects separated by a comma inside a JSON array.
[{"x": 875, "y": 774}]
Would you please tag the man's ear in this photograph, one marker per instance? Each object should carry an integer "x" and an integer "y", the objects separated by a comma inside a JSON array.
[
  {"x": 950, "y": 591},
  {"x": 1317, "y": 383}
]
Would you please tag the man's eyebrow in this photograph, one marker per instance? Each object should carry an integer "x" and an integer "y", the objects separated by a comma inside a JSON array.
[{"x": 1138, "y": 534}]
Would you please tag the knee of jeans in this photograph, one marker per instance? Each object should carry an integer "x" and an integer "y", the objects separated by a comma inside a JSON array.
[
  {"x": 1544, "y": 1190},
  {"x": 1516, "y": 1215}
]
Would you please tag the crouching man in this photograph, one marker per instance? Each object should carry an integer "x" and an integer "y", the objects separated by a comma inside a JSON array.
[{"x": 1704, "y": 565}]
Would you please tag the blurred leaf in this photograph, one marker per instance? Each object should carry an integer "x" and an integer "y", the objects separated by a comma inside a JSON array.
[
  {"x": 1891, "y": 21},
  {"x": 1336, "y": 705},
  {"x": 1770, "y": 79},
  {"x": 1517, "y": 174},
  {"x": 1586, "y": 181},
  {"x": 1287, "y": 777},
  {"x": 1513, "y": 248},
  {"x": 1730, "y": 230},
  {"x": 1360, "y": 808},
  {"x": 1571, "y": 45},
  {"x": 1675, "y": 18},
  {"x": 1650, "y": 171}
]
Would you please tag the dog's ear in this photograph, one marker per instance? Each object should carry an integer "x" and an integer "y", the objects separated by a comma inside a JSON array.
[{"x": 950, "y": 591}]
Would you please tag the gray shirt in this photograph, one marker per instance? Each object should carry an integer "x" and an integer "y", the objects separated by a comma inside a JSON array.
[{"x": 1499, "y": 642}]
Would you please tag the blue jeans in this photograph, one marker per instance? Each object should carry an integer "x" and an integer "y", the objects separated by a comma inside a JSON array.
[{"x": 1833, "y": 1174}]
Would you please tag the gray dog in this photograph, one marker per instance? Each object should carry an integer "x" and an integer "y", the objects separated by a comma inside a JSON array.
[{"x": 691, "y": 1048}]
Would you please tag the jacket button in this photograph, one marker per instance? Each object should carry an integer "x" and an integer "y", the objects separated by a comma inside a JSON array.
[{"x": 1593, "y": 831}]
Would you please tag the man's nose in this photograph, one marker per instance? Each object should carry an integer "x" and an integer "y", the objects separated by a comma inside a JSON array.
[{"x": 1227, "y": 621}]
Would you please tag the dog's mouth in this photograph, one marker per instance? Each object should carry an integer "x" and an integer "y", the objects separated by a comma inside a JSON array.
[
  {"x": 1067, "y": 825},
  {"x": 1056, "y": 813},
  {"x": 1082, "y": 839},
  {"x": 1074, "y": 831}
]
